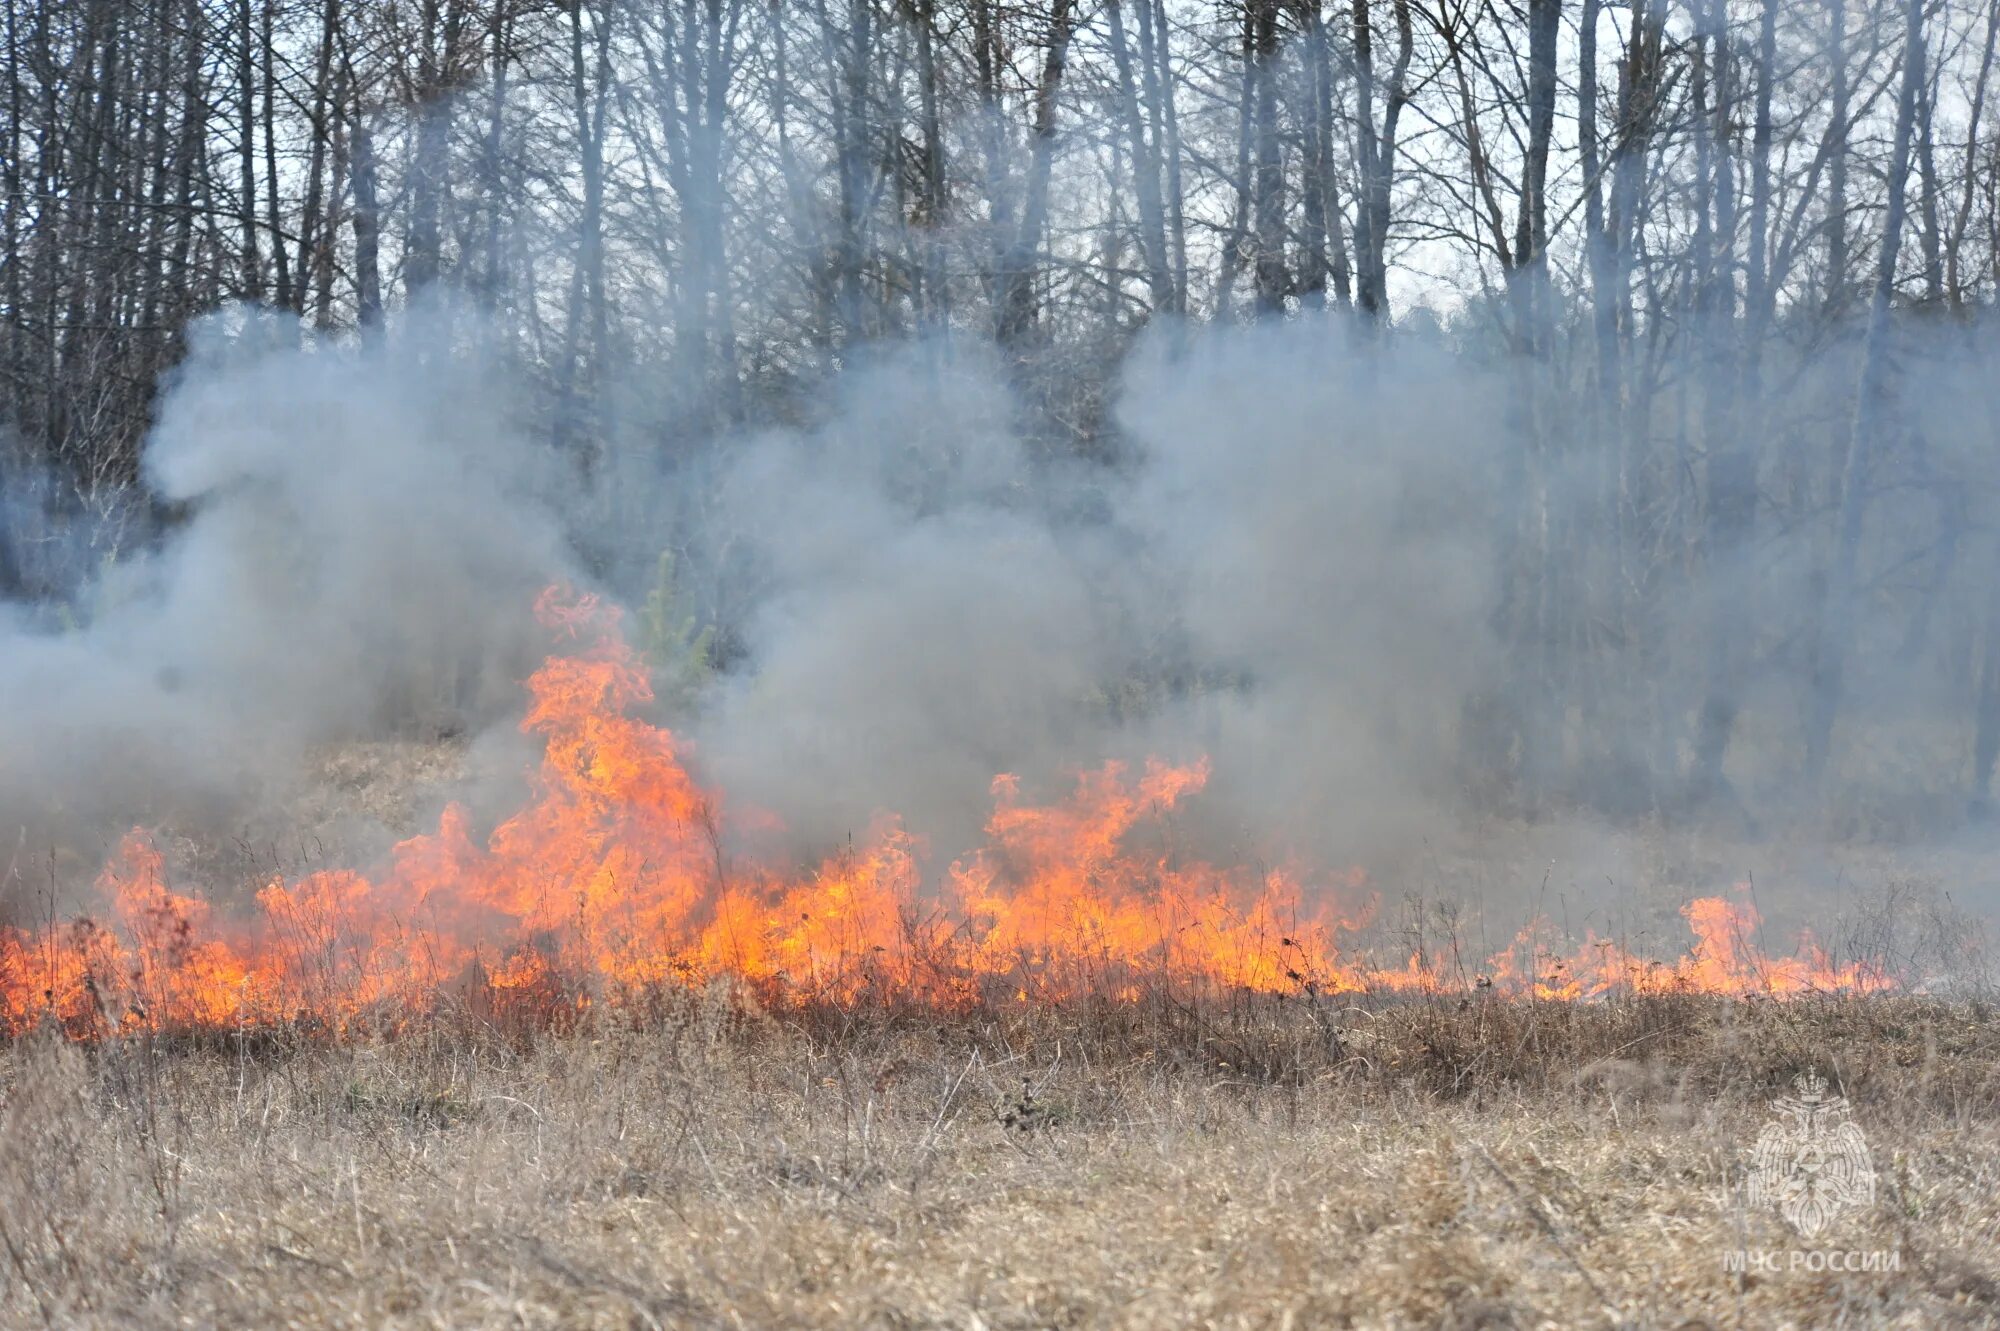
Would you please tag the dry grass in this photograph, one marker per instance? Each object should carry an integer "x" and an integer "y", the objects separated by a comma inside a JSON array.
[
  {"x": 1476, "y": 1164},
  {"x": 1434, "y": 1164}
]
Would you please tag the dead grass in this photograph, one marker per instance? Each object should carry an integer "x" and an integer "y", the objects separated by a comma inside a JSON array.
[
  {"x": 1449, "y": 1164},
  {"x": 1258, "y": 1163}
]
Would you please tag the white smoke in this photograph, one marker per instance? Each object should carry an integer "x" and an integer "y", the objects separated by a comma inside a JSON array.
[
  {"x": 364, "y": 534},
  {"x": 1287, "y": 575}
]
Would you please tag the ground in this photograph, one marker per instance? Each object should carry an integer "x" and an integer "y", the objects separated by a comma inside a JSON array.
[
  {"x": 1454, "y": 1161},
  {"x": 1438, "y": 1163}
]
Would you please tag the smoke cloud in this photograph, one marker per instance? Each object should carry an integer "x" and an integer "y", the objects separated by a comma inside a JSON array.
[
  {"x": 1284, "y": 563},
  {"x": 361, "y": 545},
  {"x": 1285, "y": 573}
]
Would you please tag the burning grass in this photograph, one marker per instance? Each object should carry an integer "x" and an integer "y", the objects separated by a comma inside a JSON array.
[
  {"x": 611, "y": 885},
  {"x": 1429, "y": 1162},
  {"x": 587, "y": 1069}
]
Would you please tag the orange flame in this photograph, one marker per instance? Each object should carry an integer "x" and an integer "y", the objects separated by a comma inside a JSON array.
[{"x": 612, "y": 882}]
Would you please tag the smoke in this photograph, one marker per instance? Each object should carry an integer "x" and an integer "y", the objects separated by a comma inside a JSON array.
[
  {"x": 921, "y": 621},
  {"x": 1286, "y": 575},
  {"x": 1325, "y": 516},
  {"x": 361, "y": 545},
  {"x": 1281, "y": 573},
  {"x": 1287, "y": 566},
  {"x": 1284, "y": 571}
]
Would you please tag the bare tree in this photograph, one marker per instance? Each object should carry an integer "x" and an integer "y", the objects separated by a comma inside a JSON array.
[{"x": 1869, "y": 420}]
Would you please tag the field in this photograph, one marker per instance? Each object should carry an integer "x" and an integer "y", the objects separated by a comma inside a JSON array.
[
  {"x": 1121, "y": 1087},
  {"x": 1444, "y": 1162}
]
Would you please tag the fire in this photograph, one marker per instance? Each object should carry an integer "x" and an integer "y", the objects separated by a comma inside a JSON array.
[{"x": 612, "y": 882}]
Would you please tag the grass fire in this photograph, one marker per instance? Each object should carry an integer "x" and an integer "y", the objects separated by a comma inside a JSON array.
[
  {"x": 1062, "y": 664},
  {"x": 611, "y": 882}
]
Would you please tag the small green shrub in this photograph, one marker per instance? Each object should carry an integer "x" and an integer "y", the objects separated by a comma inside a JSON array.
[{"x": 675, "y": 645}]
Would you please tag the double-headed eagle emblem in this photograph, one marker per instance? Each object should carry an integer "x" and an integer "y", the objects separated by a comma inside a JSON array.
[{"x": 1811, "y": 1162}]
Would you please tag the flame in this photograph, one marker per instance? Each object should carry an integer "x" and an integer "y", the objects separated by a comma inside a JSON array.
[{"x": 612, "y": 882}]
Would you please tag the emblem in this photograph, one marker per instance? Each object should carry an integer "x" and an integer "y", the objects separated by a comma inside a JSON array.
[{"x": 1811, "y": 1161}]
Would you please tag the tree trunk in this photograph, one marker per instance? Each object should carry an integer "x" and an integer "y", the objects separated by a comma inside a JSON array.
[
  {"x": 1954, "y": 286},
  {"x": 314, "y": 233},
  {"x": 1836, "y": 180},
  {"x": 1376, "y": 152},
  {"x": 253, "y": 267},
  {"x": 1836, "y": 617},
  {"x": 438, "y": 56},
  {"x": 847, "y": 55},
  {"x": 367, "y": 212},
  {"x": 1017, "y": 278},
  {"x": 1273, "y": 281},
  {"x": 1236, "y": 246},
  {"x": 500, "y": 63},
  {"x": 589, "y": 315},
  {"x": 1145, "y": 166},
  {"x": 1596, "y": 240},
  {"x": 1325, "y": 241},
  {"x": 273, "y": 204},
  {"x": 936, "y": 311},
  {"x": 1930, "y": 234},
  {"x": 1156, "y": 47},
  {"x": 1732, "y": 461},
  {"x": 1531, "y": 229}
]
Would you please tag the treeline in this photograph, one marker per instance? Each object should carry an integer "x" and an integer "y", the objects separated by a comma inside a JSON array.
[{"x": 1734, "y": 259}]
